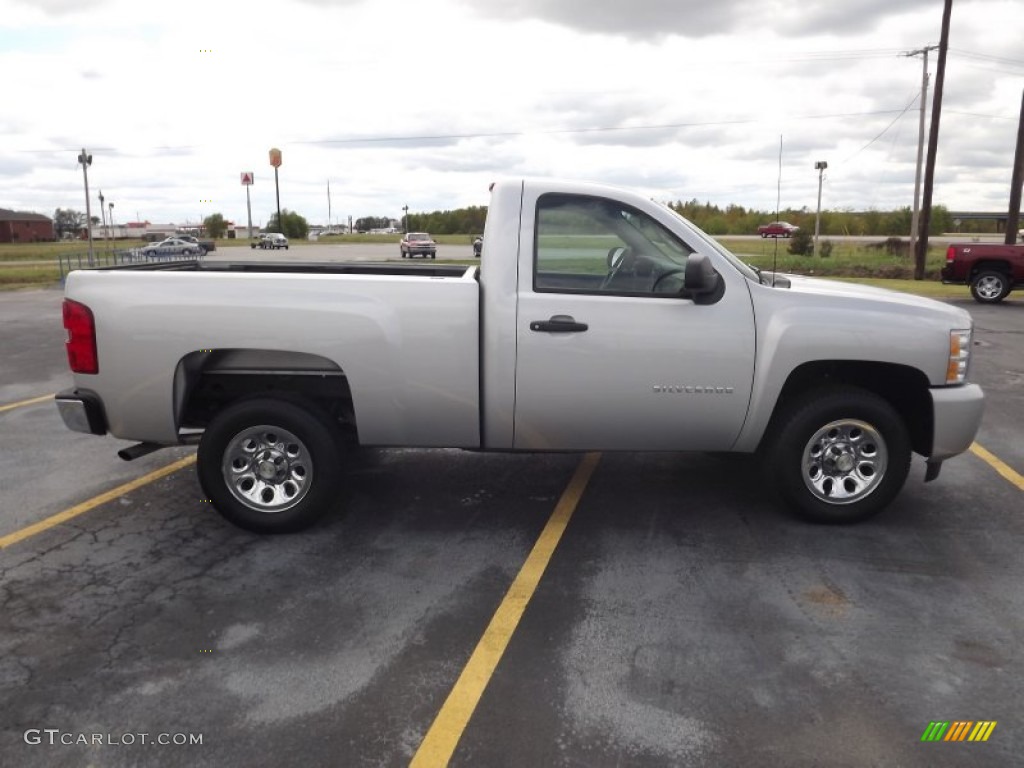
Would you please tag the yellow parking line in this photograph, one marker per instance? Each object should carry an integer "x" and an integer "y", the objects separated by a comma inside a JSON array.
[
  {"x": 85, "y": 506},
  {"x": 442, "y": 738},
  {"x": 998, "y": 465},
  {"x": 21, "y": 403}
]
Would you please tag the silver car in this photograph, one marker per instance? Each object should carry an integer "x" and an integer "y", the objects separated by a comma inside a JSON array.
[{"x": 173, "y": 246}]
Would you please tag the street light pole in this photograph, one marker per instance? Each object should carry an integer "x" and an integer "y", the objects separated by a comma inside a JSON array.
[
  {"x": 86, "y": 161},
  {"x": 113, "y": 234},
  {"x": 405, "y": 225},
  {"x": 820, "y": 166},
  {"x": 103, "y": 215}
]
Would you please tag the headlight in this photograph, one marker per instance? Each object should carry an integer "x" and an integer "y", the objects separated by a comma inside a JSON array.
[{"x": 959, "y": 355}]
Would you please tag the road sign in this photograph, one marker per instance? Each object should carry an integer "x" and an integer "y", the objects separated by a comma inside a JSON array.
[
  {"x": 247, "y": 177},
  {"x": 275, "y": 158}
]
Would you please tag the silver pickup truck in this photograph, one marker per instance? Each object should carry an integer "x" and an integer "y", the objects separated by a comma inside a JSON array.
[{"x": 596, "y": 320}]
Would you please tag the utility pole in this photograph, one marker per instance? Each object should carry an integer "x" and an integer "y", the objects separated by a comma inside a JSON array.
[
  {"x": 1013, "y": 220},
  {"x": 920, "y": 255},
  {"x": 86, "y": 160},
  {"x": 920, "y": 141}
]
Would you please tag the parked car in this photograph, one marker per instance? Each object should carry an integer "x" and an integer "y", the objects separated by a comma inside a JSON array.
[
  {"x": 418, "y": 244},
  {"x": 270, "y": 240},
  {"x": 207, "y": 245},
  {"x": 173, "y": 246},
  {"x": 991, "y": 269},
  {"x": 668, "y": 342},
  {"x": 777, "y": 229}
]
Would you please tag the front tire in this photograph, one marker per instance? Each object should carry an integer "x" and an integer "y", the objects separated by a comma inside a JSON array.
[
  {"x": 270, "y": 465},
  {"x": 840, "y": 455},
  {"x": 990, "y": 286}
]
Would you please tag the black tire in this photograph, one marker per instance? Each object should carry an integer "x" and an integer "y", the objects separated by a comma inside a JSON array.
[
  {"x": 839, "y": 455},
  {"x": 271, "y": 465},
  {"x": 990, "y": 286}
]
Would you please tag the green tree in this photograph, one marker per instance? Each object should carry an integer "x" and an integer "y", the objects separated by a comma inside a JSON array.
[
  {"x": 215, "y": 225},
  {"x": 68, "y": 221},
  {"x": 292, "y": 225}
]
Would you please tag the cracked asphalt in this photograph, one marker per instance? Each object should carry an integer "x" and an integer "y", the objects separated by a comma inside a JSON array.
[{"x": 683, "y": 620}]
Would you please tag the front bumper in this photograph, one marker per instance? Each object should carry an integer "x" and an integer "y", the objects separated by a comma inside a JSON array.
[
  {"x": 956, "y": 417},
  {"x": 82, "y": 411}
]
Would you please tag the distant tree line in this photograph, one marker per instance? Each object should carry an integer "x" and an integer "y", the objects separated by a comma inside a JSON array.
[
  {"x": 737, "y": 220},
  {"x": 713, "y": 219},
  {"x": 730, "y": 220},
  {"x": 461, "y": 221}
]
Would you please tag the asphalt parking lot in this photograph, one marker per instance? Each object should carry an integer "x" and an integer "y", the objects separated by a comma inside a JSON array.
[{"x": 680, "y": 619}]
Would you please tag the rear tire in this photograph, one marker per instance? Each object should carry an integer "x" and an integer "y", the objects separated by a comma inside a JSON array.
[
  {"x": 271, "y": 465},
  {"x": 990, "y": 286},
  {"x": 840, "y": 455}
]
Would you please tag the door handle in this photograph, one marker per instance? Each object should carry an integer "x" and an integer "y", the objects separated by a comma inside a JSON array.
[{"x": 558, "y": 324}]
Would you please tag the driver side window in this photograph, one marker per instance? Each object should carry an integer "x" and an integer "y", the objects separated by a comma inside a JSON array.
[{"x": 595, "y": 245}]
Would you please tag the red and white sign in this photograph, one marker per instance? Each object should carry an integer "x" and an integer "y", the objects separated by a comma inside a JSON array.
[{"x": 247, "y": 177}]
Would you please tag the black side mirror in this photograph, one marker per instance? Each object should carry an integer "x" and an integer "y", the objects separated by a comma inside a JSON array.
[{"x": 701, "y": 281}]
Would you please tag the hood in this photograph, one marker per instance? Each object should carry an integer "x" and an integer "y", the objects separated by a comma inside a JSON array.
[{"x": 870, "y": 297}]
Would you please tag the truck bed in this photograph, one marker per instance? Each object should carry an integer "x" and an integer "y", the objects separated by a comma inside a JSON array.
[{"x": 403, "y": 336}]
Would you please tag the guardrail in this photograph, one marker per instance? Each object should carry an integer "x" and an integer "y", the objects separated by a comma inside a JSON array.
[{"x": 68, "y": 262}]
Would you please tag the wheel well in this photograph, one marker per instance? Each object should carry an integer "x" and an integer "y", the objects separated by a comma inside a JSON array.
[
  {"x": 903, "y": 387},
  {"x": 985, "y": 266},
  {"x": 206, "y": 381}
]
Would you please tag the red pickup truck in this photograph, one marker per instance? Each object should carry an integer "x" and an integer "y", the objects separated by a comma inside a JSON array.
[{"x": 992, "y": 270}]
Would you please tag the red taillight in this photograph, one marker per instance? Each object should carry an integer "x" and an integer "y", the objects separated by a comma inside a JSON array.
[
  {"x": 81, "y": 343},
  {"x": 950, "y": 254}
]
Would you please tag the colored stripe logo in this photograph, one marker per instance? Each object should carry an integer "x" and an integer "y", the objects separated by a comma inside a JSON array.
[{"x": 958, "y": 730}]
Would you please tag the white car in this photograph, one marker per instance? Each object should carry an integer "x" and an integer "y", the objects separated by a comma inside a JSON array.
[{"x": 173, "y": 246}]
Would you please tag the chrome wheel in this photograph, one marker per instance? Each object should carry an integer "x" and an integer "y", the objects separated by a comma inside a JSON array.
[
  {"x": 844, "y": 461},
  {"x": 267, "y": 469},
  {"x": 989, "y": 287}
]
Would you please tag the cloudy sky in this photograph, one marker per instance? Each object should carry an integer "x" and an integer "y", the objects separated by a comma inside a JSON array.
[{"x": 425, "y": 102}]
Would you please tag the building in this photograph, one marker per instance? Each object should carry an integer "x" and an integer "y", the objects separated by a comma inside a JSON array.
[{"x": 21, "y": 227}]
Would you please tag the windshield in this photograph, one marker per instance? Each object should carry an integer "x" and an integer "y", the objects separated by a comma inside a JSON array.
[{"x": 745, "y": 269}]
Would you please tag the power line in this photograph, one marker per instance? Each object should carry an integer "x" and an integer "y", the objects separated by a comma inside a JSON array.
[
  {"x": 987, "y": 57},
  {"x": 884, "y": 130}
]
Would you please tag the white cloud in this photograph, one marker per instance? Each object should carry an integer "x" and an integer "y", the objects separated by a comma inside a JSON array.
[{"x": 424, "y": 104}]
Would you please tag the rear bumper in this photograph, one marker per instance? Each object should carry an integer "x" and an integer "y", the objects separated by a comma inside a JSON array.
[
  {"x": 956, "y": 413},
  {"x": 949, "y": 275},
  {"x": 82, "y": 411}
]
